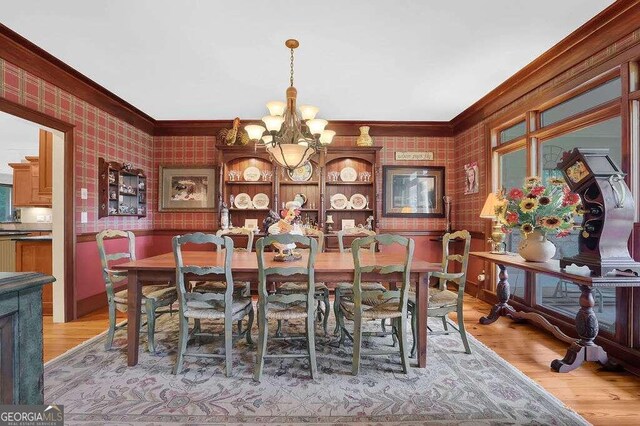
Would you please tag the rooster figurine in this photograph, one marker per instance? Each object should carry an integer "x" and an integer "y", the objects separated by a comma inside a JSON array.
[{"x": 235, "y": 135}]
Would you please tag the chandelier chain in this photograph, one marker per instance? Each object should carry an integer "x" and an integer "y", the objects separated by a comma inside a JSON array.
[{"x": 291, "y": 78}]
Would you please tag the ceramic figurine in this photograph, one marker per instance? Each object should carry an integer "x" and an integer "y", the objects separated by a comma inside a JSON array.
[{"x": 287, "y": 225}]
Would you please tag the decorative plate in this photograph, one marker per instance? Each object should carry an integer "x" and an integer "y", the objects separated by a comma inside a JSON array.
[
  {"x": 302, "y": 173},
  {"x": 301, "y": 199},
  {"x": 260, "y": 201},
  {"x": 358, "y": 201},
  {"x": 339, "y": 201},
  {"x": 348, "y": 174},
  {"x": 251, "y": 174},
  {"x": 243, "y": 201}
]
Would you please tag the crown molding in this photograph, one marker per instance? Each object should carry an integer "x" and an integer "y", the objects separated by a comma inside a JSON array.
[
  {"x": 615, "y": 22},
  {"x": 341, "y": 127},
  {"x": 21, "y": 52}
]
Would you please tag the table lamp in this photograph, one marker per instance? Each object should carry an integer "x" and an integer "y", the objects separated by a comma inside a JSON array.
[{"x": 497, "y": 236}]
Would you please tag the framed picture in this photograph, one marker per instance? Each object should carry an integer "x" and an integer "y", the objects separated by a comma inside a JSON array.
[
  {"x": 185, "y": 188},
  {"x": 348, "y": 223},
  {"x": 471, "y": 178},
  {"x": 251, "y": 223},
  {"x": 412, "y": 191}
]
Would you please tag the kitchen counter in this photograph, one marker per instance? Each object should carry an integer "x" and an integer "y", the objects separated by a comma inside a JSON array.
[
  {"x": 36, "y": 238},
  {"x": 12, "y": 233}
]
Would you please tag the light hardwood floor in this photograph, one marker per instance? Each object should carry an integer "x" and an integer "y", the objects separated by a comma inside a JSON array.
[{"x": 601, "y": 397}]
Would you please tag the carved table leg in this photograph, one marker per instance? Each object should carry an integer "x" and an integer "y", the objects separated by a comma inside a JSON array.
[
  {"x": 503, "y": 292},
  {"x": 583, "y": 349}
]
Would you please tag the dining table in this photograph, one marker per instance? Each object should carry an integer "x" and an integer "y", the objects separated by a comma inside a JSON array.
[{"x": 329, "y": 267}]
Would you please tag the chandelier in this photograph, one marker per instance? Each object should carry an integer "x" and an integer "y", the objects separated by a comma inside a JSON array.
[{"x": 290, "y": 136}]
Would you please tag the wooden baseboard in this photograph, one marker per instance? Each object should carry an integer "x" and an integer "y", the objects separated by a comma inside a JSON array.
[{"x": 93, "y": 303}]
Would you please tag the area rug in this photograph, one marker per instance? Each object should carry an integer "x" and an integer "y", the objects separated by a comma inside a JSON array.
[{"x": 96, "y": 387}]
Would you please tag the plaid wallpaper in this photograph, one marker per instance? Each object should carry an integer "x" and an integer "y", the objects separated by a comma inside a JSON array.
[
  {"x": 183, "y": 150},
  {"x": 470, "y": 146},
  {"x": 97, "y": 134}
]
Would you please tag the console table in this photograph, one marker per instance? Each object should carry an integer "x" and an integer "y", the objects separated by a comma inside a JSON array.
[
  {"x": 582, "y": 349},
  {"x": 21, "y": 366}
]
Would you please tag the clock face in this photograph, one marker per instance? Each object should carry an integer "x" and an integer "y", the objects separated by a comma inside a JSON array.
[{"x": 577, "y": 171}]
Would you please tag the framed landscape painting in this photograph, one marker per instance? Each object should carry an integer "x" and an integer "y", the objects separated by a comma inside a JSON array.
[
  {"x": 184, "y": 188},
  {"x": 412, "y": 191}
]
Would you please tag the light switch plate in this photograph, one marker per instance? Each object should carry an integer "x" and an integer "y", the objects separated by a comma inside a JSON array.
[
  {"x": 83, "y": 217},
  {"x": 84, "y": 194}
]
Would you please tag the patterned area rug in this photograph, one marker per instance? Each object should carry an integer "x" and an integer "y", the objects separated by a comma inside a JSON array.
[{"x": 96, "y": 387}]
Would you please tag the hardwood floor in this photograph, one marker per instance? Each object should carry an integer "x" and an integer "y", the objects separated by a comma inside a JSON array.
[{"x": 601, "y": 397}]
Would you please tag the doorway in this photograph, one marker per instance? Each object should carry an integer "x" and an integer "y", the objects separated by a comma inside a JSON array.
[{"x": 62, "y": 222}]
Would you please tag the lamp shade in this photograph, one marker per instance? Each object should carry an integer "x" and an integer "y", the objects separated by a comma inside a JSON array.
[
  {"x": 308, "y": 112},
  {"x": 254, "y": 131},
  {"x": 489, "y": 208},
  {"x": 327, "y": 136},
  {"x": 316, "y": 126},
  {"x": 276, "y": 107},
  {"x": 273, "y": 122},
  {"x": 290, "y": 155}
]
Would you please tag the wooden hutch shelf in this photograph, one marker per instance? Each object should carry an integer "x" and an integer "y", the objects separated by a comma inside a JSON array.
[{"x": 122, "y": 190}]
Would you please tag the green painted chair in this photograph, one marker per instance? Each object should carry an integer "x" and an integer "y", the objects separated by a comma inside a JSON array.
[
  {"x": 279, "y": 306},
  {"x": 209, "y": 305},
  {"x": 370, "y": 305},
  {"x": 441, "y": 300},
  {"x": 344, "y": 288},
  {"x": 153, "y": 296},
  {"x": 239, "y": 287},
  {"x": 321, "y": 290}
]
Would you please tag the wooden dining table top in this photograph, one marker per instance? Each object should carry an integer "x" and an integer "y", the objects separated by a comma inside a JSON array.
[{"x": 247, "y": 261}]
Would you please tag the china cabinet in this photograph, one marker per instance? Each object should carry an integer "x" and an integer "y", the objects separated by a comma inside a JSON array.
[{"x": 122, "y": 190}]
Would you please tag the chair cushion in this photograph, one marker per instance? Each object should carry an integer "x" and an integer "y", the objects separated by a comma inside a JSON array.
[
  {"x": 162, "y": 294},
  {"x": 299, "y": 288},
  {"x": 438, "y": 298},
  {"x": 348, "y": 287},
  {"x": 381, "y": 310},
  {"x": 281, "y": 311},
  {"x": 217, "y": 286},
  {"x": 214, "y": 309}
]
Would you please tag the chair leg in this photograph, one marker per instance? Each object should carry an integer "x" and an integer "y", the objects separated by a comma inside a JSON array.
[
  {"x": 327, "y": 309},
  {"x": 394, "y": 334},
  {"x": 340, "y": 325},
  {"x": 228, "y": 341},
  {"x": 151, "y": 324},
  {"x": 357, "y": 344},
  {"x": 383, "y": 325},
  {"x": 463, "y": 333},
  {"x": 444, "y": 323},
  {"x": 414, "y": 330},
  {"x": 311, "y": 344},
  {"x": 279, "y": 329},
  {"x": 112, "y": 326},
  {"x": 249, "y": 326},
  {"x": 239, "y": 327},
  {"x": 336, "y": 310},
  {"x": 402, "y": 329},
  {"x": 182, "y": 345},
  {"x": 263, "y": 331}
]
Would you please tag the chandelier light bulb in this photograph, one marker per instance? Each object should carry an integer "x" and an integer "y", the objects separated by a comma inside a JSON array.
[
  {"x": 276, "y": 107},
  {"x": 316, "y": 126},
  {"x": 273, "y": 122},
  {"x": 327, "y": 136},
  {"x": 308, "y": 112},
  {"x": 254, "y": 131}
]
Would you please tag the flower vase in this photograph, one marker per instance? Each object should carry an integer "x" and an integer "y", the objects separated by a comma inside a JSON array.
[
  {"x": 364, "y": 139},
  {"x": 536, "y": 248}
]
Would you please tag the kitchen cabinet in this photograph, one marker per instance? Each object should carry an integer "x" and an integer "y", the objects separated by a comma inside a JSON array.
[
  {"x": 45, "y": 162},
  {"x": 26, "y": 184},
  {"x": 34, "y": 254}
]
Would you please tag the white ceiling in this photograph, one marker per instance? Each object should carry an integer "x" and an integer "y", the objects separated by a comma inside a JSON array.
[
  {"x": 18, "y": 138},
  {"x": 362, "y": 59}
]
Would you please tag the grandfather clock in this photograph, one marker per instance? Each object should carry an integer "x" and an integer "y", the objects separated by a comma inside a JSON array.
[{"x": 608, "y": 212}]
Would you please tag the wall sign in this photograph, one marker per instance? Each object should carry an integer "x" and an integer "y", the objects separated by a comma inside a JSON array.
[{"x": 412, "y": 156}]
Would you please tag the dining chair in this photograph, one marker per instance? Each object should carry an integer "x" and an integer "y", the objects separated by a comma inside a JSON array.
[
  {"x": 321, "y": 289},
  {"x": 366, "y": 305},
  {"x": 278, "y": 306},
  {"x": 443, "y": 301},
  {"x": 153, "y": 296},
  {"x": 208, "y": 305},
  {"x": 346, "y": 288},
  {"x": 239, "y": 287}
]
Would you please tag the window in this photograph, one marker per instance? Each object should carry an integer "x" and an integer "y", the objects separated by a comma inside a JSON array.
[
  {"x": 589, "y": 99},
  {"x": 514, "y": 132},
  {"x": 6, "y": 209},
  {"x": 513, "y": 170},
  {"x": 558, "y": 295}
]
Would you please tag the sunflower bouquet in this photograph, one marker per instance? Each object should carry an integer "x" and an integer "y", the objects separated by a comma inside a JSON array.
[{"x": 535, "y": 207}]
